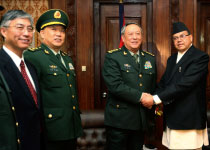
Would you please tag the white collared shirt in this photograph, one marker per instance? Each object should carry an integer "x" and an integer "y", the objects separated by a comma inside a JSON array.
[{"x": 16, "y": 59}]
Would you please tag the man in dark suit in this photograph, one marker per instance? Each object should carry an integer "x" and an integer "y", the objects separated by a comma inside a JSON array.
[
  {"x": 8, "y": 129},
  {"x": 182, "y": 90},
  {"x": 128, "y": 72},
  {"x": 17, "y": 32},
  {"x": 57, "y": 79}
]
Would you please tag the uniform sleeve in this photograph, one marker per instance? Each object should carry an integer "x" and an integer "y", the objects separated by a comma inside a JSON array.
[
  {"x": 194, "y": 74},
  {"x": 114, "y": 82}
]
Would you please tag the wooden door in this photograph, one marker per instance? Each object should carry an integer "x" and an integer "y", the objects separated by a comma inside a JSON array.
[
  {"x": 204, "y": 35},
  {"x": 106, "y": 35}
]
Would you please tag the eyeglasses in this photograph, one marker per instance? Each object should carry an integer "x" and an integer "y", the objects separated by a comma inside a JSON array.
[
  {"x": 21, "y": 28},
  {"x": 181, "y": 37}
]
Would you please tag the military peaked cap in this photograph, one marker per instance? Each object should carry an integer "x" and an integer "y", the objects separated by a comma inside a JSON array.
[{"x": 52, "y": 17}]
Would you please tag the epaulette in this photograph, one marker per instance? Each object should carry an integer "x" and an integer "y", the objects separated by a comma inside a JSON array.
[
  {"x": 63, "y": 53},
  {"x": 34, "y": 49},
  {"x": 114, "y": 50},
  {"x": 149, "y": 53}
]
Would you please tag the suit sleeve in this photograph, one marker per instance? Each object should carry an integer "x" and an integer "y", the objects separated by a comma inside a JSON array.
[
  {"x": 196, "y": 71},
  {"x": 115, "y": 84},
  {"x": 30, "y": 56}
]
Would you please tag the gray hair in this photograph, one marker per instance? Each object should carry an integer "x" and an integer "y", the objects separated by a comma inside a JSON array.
[
  {"x": 124, "y": 27},
  {"x": 14, "y": 14}
]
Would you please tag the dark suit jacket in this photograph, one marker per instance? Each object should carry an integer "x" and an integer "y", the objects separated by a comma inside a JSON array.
[
  {"x": 126, "y": 81},
  {"x": 182, "y": 90},
  {"x": 28, "y": 115},
  {"x": 8, "y": 130}
]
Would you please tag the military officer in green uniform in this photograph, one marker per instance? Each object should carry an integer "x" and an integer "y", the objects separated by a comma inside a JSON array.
[
  {"x": 57, "y": 77},
  {"x": 128, "y": 73}
]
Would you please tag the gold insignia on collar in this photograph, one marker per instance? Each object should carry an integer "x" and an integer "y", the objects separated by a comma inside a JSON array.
[
  {"x": 124, "y": 53},
  {"x": 57, "y": 14},
  {"x": 46, "y": 52},
  {"x": 31, "y": 49},
  {"x": 142, "y": 53}
]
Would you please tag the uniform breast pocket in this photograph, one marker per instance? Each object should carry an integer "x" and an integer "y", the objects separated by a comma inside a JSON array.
[
  {"x": 128, "y": 73},
  {"x": 54, "y": 79},
  {"x": 149, "y": 76}
]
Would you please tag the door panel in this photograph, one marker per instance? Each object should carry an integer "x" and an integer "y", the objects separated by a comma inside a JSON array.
[{"x": 204, "y": 36}]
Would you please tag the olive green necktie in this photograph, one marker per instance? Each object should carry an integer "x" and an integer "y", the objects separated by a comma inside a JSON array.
[{"x": 136, "y": 58}]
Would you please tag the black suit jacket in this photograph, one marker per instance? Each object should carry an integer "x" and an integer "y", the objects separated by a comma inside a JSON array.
[
  {"x": 27, "y": 113},
  {"x": 182, "y": 90}
]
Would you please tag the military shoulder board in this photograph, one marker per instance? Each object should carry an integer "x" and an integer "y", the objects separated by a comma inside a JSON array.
[
  {"x": 34, "y": 49},
  {"x": 114, "y": 50},
  {"x": 63, "y": 53},
  {"x": 149, "y": 53}
]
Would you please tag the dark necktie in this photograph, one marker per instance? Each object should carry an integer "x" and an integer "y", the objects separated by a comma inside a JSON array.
[
  {"x": 59, "y": 57},
  {"x": 28, "y": 82}
]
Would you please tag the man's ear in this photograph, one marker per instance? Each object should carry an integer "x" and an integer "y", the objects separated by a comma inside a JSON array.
[
  {"x": 123, "y": 38},
  {"x": 191, "y": 37},
  {"x": 42, "y": 34},
  {"x": 3, "y": 31}
]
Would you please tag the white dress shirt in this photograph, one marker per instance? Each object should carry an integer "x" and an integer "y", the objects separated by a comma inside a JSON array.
[{"x": 16, "y": 59}]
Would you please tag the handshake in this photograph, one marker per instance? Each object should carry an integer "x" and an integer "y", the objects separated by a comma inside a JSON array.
[{"x": 147, "y": 100}]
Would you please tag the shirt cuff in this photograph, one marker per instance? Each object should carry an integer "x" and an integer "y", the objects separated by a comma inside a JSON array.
[{"x": 156, "y": 99}]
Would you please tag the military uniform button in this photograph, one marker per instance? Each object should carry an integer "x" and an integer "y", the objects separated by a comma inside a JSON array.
[
  {"x": 13, "y": 108},
  {"x": 67, "y": 74},
  {"x": 74, "y": 107},
  {"x": 54, "y": 74},
  {"x": 72, "y": 96},
  {"x": 117, "y": 106},
  {"x": 140, "y": 75},
  {"x": 50, "y": 116},
  {"x": 140, "y": 84},
  {"x": 150, "y": 73},
  {"x": 70, "y": 85},
  {"x": 17, "y": 124},
  {"x": 18, "y": 140},
  {"x": 127, "y": 71}
]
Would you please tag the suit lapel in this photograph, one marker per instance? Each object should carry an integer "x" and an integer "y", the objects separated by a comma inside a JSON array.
[
  {"x": 35, "y": 79},
  {"x": 173, "y": 67},
  {"x": 13, "y": 72}
]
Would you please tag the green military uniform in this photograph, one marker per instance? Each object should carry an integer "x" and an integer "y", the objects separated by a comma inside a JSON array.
[
  {"x": 8, "y": 123},
  {"x": 58, "y": 92},
  {"x": 126, "y": 80},
  {"x": 57, "y": 80}
]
